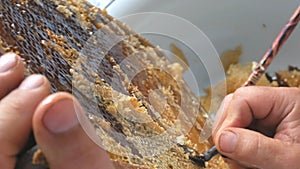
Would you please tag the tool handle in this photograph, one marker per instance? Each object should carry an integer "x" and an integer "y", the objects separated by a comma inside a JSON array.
[{"x": 276, "y": 46}]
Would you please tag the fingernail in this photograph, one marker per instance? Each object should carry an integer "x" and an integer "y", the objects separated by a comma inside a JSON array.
[
  {"x": 61, "y": 117},
  {"x": 32, "y": 82},
  {"x": 228, "y": 141},
  {"x": 8, "y": 62}
]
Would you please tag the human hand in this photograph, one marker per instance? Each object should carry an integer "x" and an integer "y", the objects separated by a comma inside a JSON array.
[
  {"x": 259, "y": 127},
  {"x": 25, "y": 106}
]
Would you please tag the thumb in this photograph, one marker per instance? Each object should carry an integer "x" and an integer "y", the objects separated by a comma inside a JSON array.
[
  {"x": 62, "y": 139},
  {"x": 254, "y": 149}
]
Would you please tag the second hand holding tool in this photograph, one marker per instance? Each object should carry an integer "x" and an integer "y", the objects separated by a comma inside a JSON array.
[{"x": 258, "y": 71}]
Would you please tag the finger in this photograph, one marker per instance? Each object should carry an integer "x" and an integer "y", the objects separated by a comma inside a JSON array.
[
  {"x": 16, "y": 111},
  {"x": 61, "y": 138},
  {"x": 221, "y": 112},
  {"x": 238, "y": 165},
  {"x": 233, "y": 164},
  {"x": 254, "y": 149},
  {"x": 268, "y": 105},
  {"x": 11, "y": 72}
]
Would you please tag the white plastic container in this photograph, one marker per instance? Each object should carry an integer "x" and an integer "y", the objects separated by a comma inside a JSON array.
[{"x": 253, "y": 24}]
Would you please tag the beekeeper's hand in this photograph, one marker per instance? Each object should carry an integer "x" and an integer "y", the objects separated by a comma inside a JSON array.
[{"x": 259, "y": 127}]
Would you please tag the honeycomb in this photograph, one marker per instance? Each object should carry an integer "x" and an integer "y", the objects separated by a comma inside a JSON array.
[{"x": 52, "y": 37}]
